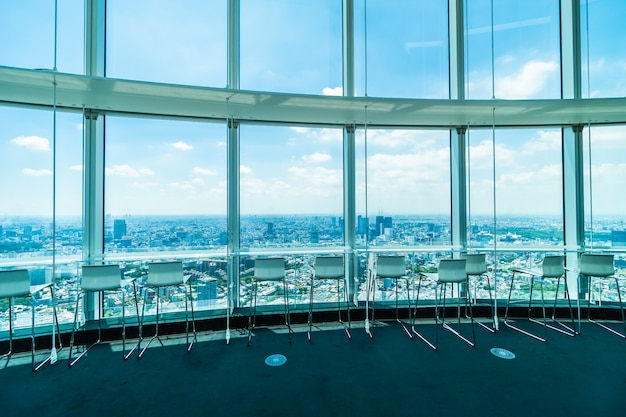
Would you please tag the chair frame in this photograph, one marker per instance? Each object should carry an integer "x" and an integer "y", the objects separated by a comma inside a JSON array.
[
  {"x": 387, "y": 262},
  {"x": 608, "y": 274},
  {"x": 477, "y": 261},
  {"x": 100, "y": 291},
  {"x": 552, "y": 267},
  {"x": 186, "y": 284},
  {"x": 260, "y": 265},
  {"x": 447, "y": 266},
  {"x": 330, "y": 262},
  {"x": 30, "y": 292}
]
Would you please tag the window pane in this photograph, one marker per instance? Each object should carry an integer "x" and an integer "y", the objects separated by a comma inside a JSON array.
[
  {"x": 529, "y": 196},
  {"x": 404, "y": 197},
  {"x": 526, "y": 49},
  {"x": 291, "y": 46},
  {"x": 605, "y": 208},
  {"x": 165, "y": 186},
  {"x": 291, "y": 187},
  {"x": 182, "y": 42},
  {"x": 27, "y": 225},
  {"x": 603, "y": 39},
  {"x": 27, "y": 34},
  {"x": 406, "y": 58}
]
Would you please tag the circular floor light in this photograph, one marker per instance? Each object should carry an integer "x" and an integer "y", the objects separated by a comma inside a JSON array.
[
  {"x": 503, "y": 353},
  {"x": 275, "y": 360}
]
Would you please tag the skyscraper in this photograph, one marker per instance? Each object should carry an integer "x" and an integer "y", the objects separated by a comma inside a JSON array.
[{"x": 119, "y": 229}]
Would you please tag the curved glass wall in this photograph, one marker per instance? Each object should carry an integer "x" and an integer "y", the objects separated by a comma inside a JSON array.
[
  {"x": 29, "y": 31},
  {"x": 603, "y": 32},
  {"x": 291, "y": 46},
  {"x": 181, "y": 42},
  {"x": 191, "y": 189},
  {"x": 512, "y": 49},
  {"x": 408, "y": 58}
]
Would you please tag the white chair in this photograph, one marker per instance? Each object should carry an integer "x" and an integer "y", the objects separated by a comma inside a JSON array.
[
  {"x": 330, "y": 268},
  {"x": 392, "y": 267},
  {"x": 450, "y": 271},
  {"x": 476, "y": 267},
  {"x": 268, "y": 270},
  {"x": 16, "y": 283},
  {"x": 99, "y": 279},
  {"x": 162, "y": 275},
  {"x": 602, "y": 267},
  {"x": 552, "y": 267}
]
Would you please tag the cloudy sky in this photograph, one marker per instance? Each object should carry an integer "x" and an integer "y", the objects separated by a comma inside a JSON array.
[{"x": 179, "y": 167}]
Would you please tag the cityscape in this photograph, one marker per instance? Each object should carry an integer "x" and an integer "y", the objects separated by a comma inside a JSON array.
[{"x": 200, "y": 242}]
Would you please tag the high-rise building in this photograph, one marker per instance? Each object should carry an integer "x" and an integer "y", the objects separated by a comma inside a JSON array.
[{"x": 119, "y": 229}]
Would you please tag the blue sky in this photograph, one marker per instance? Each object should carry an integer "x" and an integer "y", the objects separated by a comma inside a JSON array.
[{"x": 176, "y": 167}]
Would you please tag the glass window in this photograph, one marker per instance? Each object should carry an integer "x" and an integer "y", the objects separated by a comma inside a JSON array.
[
  {"x": 603, "y": 38},
  {"x": 406, "y": 58},
  {"x": 605, "y": 170},
  {"x": 528, "y": 188},
  {"x": 182, "y": 42},
  {"x": 403, "y": 187},
  {"x": 291, "y": 46},
  {"x": 526, "y": 49},
  {"x": 22, "y": 46},
  {"x": 29, "y": 222},
  {"x": 291, "y": 187},
  {"x": 165, "y": 185}
]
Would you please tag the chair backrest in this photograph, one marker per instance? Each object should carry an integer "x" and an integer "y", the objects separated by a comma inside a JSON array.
[
  {"x": 452, "y": 270},
  {"x": 269, "y": 269},
  {"x": 390, "y": 266},
  {"x": 14, "y": 283},
  {"x": 553, "y": 266},
  {"x": 329, "y": 267},
  {"x": 596, "y": 265},
  {"x": 101, "y": 277},
  {"x": 161, "y": 274},
  {"x": 475, "y": 264}
]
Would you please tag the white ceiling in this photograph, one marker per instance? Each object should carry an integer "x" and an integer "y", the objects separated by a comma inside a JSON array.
[{"x": 76, "y": 91}]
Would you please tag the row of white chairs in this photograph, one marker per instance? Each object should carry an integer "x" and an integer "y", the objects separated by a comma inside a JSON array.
[
  {"x": 451, "y": 272},
  {"x": 98, "y": 279}
]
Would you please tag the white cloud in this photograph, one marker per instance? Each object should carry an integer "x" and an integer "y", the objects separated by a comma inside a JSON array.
[
  {"x": 147, "y": 171},
  {"x": 122, "y": 171},
  {"x": 203, "y": 171},
  {"x": 76, "y": 167},
  {"x": 197, "y": 181},
  {"x": 36, "y": 172},
  {"x": 317, "y": 158},
  {"x": 34, "y": 143},
  {"x": 329, "y": 91},
  {"x": 528, "y": 82},
  {"x": 182, "y": 146},
  {"x": 144, "y": 185},
  {"x": 243, "y": 169},
  {"x": 181, "y": 185}
]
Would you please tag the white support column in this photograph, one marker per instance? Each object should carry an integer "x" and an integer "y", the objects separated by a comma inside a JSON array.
[
  {"x": 349, "y": 205},
  {"x": 573, "y": 178},
  {"x": 93, "y": 155},
  {"x": 348, "y": 48},
  {"x": 458, "y": 188},
  {"x": 93, "y": 158},
  {"x": 233, "y": 45},
  {"x": 233, "y": 211}
]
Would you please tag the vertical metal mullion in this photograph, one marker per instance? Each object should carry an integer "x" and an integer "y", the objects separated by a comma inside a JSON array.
[
  {"x": 233, "y": 209},
  {"x": 348, "y": 48},
  {"x": 233, "y": 34},
  {"x": 572, "y": 140},
  {"x": 349, "y": 205},
  {"x": 93, "y": 155}
]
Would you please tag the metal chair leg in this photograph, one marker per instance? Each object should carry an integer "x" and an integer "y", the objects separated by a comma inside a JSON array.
[{"x": 435, "y": 345}]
